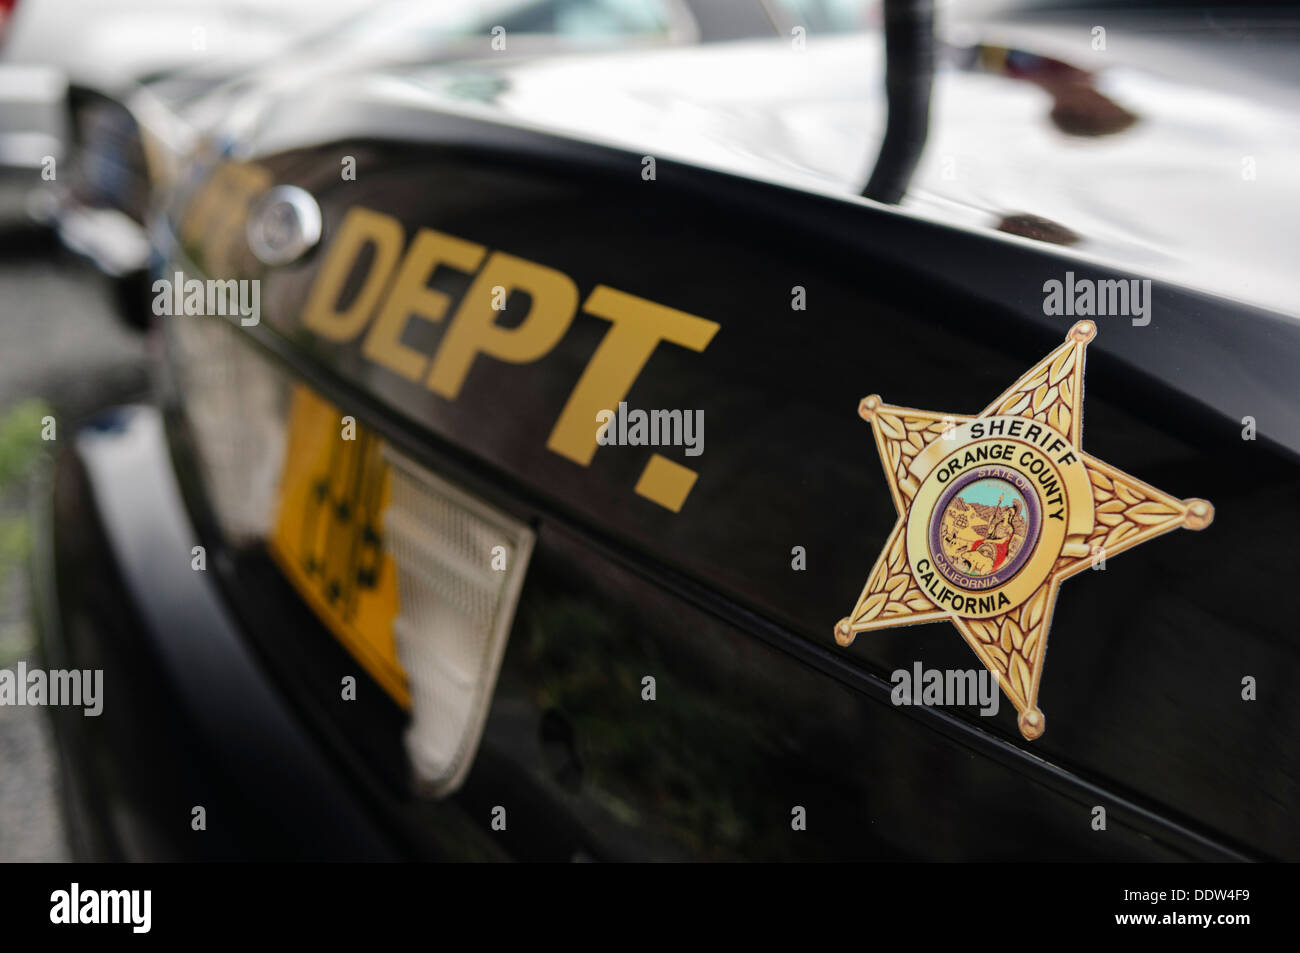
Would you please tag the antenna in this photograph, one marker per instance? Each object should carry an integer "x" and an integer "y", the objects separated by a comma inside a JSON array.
[{"x": 909, "y": 74}]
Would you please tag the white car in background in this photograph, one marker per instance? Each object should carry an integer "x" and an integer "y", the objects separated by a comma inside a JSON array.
[
  {"x": 49, "y": 47},
  {"x": 92, "y": 71}
]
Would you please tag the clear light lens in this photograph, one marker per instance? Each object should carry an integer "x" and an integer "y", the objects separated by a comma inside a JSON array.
[
  {"x": 236, "y": 403},
  {"x": 460, "y": 569}
]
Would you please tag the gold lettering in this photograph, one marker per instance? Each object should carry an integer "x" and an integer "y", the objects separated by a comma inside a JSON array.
[
  {"x": 361, "y": 226},
  {"x": 474, "y": 329},
  {"x": 637, "y": 327},
  {"x": 412, "y": 297}
]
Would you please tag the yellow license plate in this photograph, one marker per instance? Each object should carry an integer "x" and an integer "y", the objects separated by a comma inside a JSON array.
[{"x": 328, "y": 534}]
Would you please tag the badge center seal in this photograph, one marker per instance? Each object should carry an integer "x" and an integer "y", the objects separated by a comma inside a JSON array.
[
  {"x": 995, "y": 501},
  {"x": 977, "y": 542}
]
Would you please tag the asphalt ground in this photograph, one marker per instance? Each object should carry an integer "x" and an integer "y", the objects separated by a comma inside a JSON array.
[{"x": 61, "y": 343}]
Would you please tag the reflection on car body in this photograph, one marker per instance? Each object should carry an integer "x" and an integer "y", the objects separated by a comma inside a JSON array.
[{"x": 458, "y": 624}]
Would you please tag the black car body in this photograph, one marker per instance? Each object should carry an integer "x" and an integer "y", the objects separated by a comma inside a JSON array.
[{"x": 224, "y": 686}]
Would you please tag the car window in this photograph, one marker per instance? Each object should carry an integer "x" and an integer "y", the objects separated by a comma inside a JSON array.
[
  {"x": 581, "y": 18},
  {"x": 829, "y": 16}
]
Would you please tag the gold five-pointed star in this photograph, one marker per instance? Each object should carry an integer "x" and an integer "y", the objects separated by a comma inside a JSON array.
[{"x": 995, "y": 511}]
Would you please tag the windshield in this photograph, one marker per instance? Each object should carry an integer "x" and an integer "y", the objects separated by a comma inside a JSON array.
[{"x": 413, "y": 24}]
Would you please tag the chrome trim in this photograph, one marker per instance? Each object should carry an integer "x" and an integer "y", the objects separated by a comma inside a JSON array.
[{"x": 284, "y": 225}]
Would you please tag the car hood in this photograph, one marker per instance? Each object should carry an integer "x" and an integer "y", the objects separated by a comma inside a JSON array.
[{"x": 1159, "y": 171}]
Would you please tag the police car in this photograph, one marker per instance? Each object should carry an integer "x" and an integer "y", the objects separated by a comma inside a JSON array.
[{"x": 549, "y": 460}]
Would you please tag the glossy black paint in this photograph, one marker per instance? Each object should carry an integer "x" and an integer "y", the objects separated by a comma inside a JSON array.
[
  {"x": 190, "y": 717},
  {"x": 1142, "y": 687},
  {"x": 589, "y": 771},
  {"x": 757, "y": 710}
]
